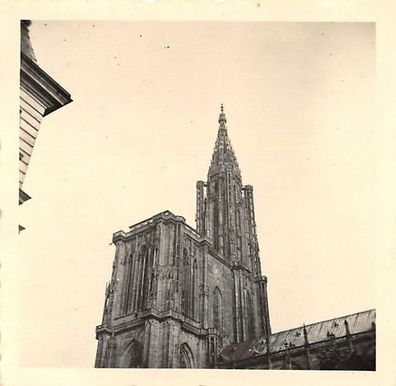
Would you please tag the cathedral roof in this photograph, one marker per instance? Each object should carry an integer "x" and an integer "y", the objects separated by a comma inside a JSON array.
[
  {"x": 223, "y": 158},
  {"x": 26, "y": 45},
  {"x": 316, "y": 332}
]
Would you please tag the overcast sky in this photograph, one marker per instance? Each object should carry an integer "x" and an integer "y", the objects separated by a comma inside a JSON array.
[{"x": 299, "y": 99}]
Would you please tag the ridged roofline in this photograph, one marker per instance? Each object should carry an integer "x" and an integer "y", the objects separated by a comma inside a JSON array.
[{"x": 324, "y": 321}]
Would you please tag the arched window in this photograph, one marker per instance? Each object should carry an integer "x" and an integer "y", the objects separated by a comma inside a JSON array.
[
  {"x": 132, "y": 356},
  {"x": 217, "y": 311},
  {"x": 186, "y": 359}
]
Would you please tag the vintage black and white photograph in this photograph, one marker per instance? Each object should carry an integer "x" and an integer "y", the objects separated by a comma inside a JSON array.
[{"x": 197, "y": 195}]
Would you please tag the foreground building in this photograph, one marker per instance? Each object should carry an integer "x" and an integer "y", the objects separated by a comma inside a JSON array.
[
  {"x": 40, "y": 95},
  {"x": 196, "y": 298}
]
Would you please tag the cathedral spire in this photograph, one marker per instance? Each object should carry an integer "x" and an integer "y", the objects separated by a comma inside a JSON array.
[{"x": 223, "y": 158}]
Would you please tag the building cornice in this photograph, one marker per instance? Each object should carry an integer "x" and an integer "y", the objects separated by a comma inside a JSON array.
[
  {"x": 128, "y": 322},
  {"x": 41, "y": 86},
  {"x": 165, "y": 217}
]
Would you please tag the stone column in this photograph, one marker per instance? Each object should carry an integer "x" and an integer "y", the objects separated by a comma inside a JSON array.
[
  {"x": 173, "y": 344},
  {"x": 117, "y": 285},
  {"x": 111, "y": 352},
  {"x": 200, "y": 213},
  {"x": 102, "y": 345},
  {"x": 154, "y": 360},
  {"x": 238, "y": 328},
  {"x": 262, "y": 303},
  {"x": 146, "y": 344}
]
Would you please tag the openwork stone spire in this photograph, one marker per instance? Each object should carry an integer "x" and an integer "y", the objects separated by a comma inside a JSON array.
[
  {"x": 225, "y": 215},
  {"x": 223, "y": 158}
]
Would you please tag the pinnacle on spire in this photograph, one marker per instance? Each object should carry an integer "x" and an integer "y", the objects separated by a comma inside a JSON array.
[
  {"x": 222, "y": 117},
  {"x": 223, "y": 157}
]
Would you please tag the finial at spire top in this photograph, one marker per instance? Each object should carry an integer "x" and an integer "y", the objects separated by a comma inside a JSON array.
[{"x": 222, "y": 117}]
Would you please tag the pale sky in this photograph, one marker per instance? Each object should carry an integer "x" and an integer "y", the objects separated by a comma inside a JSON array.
[{"x": 299, "y": 99}]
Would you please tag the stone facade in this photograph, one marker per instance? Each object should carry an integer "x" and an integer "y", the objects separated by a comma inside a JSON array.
[
  {"x": 178, "y": 295},
  {"x": 185, "y": 298}
]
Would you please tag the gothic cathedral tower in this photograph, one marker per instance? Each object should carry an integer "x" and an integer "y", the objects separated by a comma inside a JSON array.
[
  {"x": 178, "y": 295},
  {"x": 225, "y": 214}
]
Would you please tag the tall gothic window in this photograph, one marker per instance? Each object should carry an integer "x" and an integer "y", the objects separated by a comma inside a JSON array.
[
  {"x": 186, "y": 285},
  {"x": 215, "y": 226},
  {"x": 194, "y": 291},
  {"x": 239, "y": 232},
  {"x": 189, "y": 286},
  {"x": 128, "y": 284},
  {"x": 177, "y": 262},
  {"x": 217, "y": 311},
  {"x": 144, "y": 275},
  {"x": 250, "y": 315}
]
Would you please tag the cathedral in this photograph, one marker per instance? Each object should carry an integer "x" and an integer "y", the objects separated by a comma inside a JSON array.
[{"x": 181, "y": 297}]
